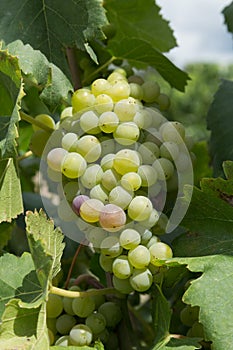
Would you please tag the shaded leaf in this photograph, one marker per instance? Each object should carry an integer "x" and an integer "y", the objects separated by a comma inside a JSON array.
[
  {"x": 180, "y": 344},
  {"x": 97, "y": 346},
  {"x": 228, "y": 15},
  {"x": 161, "y": 314},
  {"x": 228, "y": 169},
  {"x": 5, "y": 233},
  {"x": 202, "y": 162}
]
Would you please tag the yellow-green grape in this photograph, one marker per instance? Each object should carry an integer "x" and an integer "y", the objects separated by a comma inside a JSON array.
[
  {"x": 107, "y": 161},
  {"x": 110, "y": 179},
  {"x": 90, "y": 210},
  {"x": 116, "y": 76},
  {"x": 151, "y": 220},
  {"x": 92, "y": 176},
  {"x": 129, "y": 238},
  {"x": 135, "y": 79},
  {"x": 143, "y": 119},
  {"x": 145, "y": 236},
  {"x": 108, "y": 122},
  {"x": 141, "y": 279},
  {"x": 140, "y": 208},
  {"x": 89, "y": 147},
  {"x": 98, "y": 192},
  {"x": 183, "y": 162},
  {"x": 151, "y": 91},
  {"x": 189, "y": 314},
  {"x": 136, "y": 91},
  {"x": 111, "y": 312},
  {"x": 55, "y": 158},
  {"x": 67, "y": 112},
  {"x": 160, "y": 251},
  {"x": 89, "y": 122},
  {"x": 164, "y": 168},
  {"x": 80, "y": 335},
  {"x": 148, "y": 175},
  {"x": 106, "y": 262},
  {"x": 64, "y": 323},
  {"x": 126, "y": 133},
  {"x": 173, "y": 131},
  {"x": 51, "y": 324},
  {"x": 120, "y": 90},
  {"x": 111, "y": 247},
  {"x": 139, "y": 257},
  {"x": 54, "y": 306},
  {"x": 157, "y": 117},
  {"x": 131, "y": 181},
  {"x": 125, "y": 161},
  {"x": 73, "y": 165},
  {"x": 96, "y": 322},
  {"x": 112, "y": 218},
  {"x": 103, "y": 103},
  {"x": 68, "y": 141},
  {"x": 149, "y": 152},
  {"x": 82, "y": 99},
  {"x": 44, "y": 119},
  {"x": 163, "y": 101},
  {"x": 51, "y": 337},
  {"x": 38, "y": 142},
  {"x": 100, "y": 86},
  {"x": 83, "y": 306},
  {"x": 120, "y": 197},
  {"x": 121, "y": 71},
  {"x": 122, "y": 267},
  {"x": 153, "y": 240},
  {"x": 169, "y": 150},
  {"x": 126, "y": 109},
  {"x": 108, "y": 145},
  {"x": 160, "y": 227},
  {"x": 122, "y": 285},
  {"x": 63, "y": 341}
]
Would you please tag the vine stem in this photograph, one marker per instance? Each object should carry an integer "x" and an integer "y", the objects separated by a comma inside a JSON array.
[
  {"x": 76, "y": 294},
  {"x": 107, "y": 63},
  {"x": 73, "y": 263},
  {"x": 25, "y": 155},
  {"x": 33, "y": 121}
]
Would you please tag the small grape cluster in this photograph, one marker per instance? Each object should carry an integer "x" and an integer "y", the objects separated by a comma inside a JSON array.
[{"x": 81, "y": 321}]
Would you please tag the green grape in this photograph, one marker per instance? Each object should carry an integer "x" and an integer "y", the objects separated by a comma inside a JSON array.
[
  {"x": 98, "y": 192},
  {"x": 126, "y": 161},
  {"x": 189, "y": 315},
  {"x": 106, "y": 262},
  {"x": 67, "y": 112},
  {"x": 108, "y": 122},
  {"x": 139, "y": 257},
  {"x": 151, "y": 91},
  {"x": 54, "y": 306},
  {"x": 141, "y": 280},
  {"x": 89, "y": 147},
  {"x": 126, "y": 133},
  {"x": 96, "y": 322},
  {"x": 148, "y": 175},
  {"x": 64, "y": 323},
  {"x": 145, "y": 236},
  {"x": 160, "y": 227},
  {"x": 92, "y": 176},
  {"x": 103, "y": 103},
  {"x": 159, "y": 251},
  {"x": 116, "y": 76},
  {"x": 107, "y": 161},
  {"x": 82, "y": 99},
  {"x": 51, "y": 337},
  {"x": 89, "y": 122},
  {"x": 112, "y": 218},
  {"x": 136, "y": 91},
  {"x": 157, "y": 118},
  {"x": 100, "y": 86},
  {"x": 80, "y": 335},
  {"x": 55, "y": 158},
  {"x": 135, "y": 79},
  {"x": 131, "y": 181},
  {"x": 153, "y": 240},
  {"x": 44, "y": 119},
  {"x": 125, "y": 109},
  {"x": 68, "y": 141},
  {"x": 90, "y": 210},
  {"x": 96, "y": 235},
  {"x": 51, "y": 324},
  {"x": 111, "y": 247},
  {"x": 71, "y": 190},
  {"x": 164, "y": 168},
  {"x": 108, "y": 145},
  {"x": 173, "y": 131},
  {"x": 73, "y": 165},
  {"x": 189, "y": 142},
  {"x": 140, "y": 208},
  {"x": 149, "y": 152},
  {"x": 67, "y": 305},
  {"x": 65, "y": 212},
  {"x": 120, "y": 197},
  {"x": 102, "y": 336},
  {"x": 111, "y": 312},
  {"x": 143, "y": 119},
  {"x": 122, "y": 285},
  {"x": 121, "y": 267},
  {"x": 110, "y": 179},
  {"x": 63, "y": 341},
  {"x": 163, "y": 101},
  {"x": 119, "y": 90},
  {"x": 121, "y": 71},
  {"x": 129, "y": 238},
  {"x": 183, "y": 162},
  {"x": 169, "y": 150},
  {"x": 151, "y": 220},
  {"x": 38, "y": 142},
  {"x": 83, "y": 306}
]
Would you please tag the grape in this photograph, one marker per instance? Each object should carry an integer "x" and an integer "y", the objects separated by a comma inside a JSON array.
[
  {"x": 96, "y": 322},
  {"x": 153, "y": 240},
  {"x": 141, "y": 280},
  {"x": 64, "y": 211},
  {"x": 90, "y": 210},
  {"x": 151, "y": 91},
  {"x": 169, "y": 150},
  {"x": 110, "y": 179},
  {"x": 183, "y": 162},
  {"x": 91, "y": 176},
  {"x": 160, "y": 227},
  {"x": 77, "y": 202},
  {"x": 68, "y": 141},
  {"x": 157, "y": 117},
  {"x": 112, "y": 218},
  {"x": 173, "y": 131},
  {"x": 126, "y": 109},
  {"x": 103, "y": 103},
  {"x": 111, "y": 247},
  {"x": 189, "y": 315},
  {"x": 98, "y": 192},
  {"x": 73, "y": 165},
  {"x": 125, "y": 161},
  {"x": 120, "y": 197},
  {"x": 65, "y": 323},
  {"x": 38, "y": 142},
  {"x": 100, "y": 86},
  {"x": 55, "y": 158},
  {"x": 102, "y": 336},
  {"x": 51, "y": 337},
  {"x": 163, "y": 101},
  {"x": 111, "y": 312},
  {"x": 140, "y": 208},
  {"x": 107, "y": 161},
  {"x": 108, "y": 122},
  {"x": 135, "y": 79},
  {"x": 148, "y": 175},
  {"x": 164, "y": 168},
  {"x": 108, "y": 145},
  {"x": 120, "y": 90},
  {"x": 89, "y": 147},
  {"x": 126, "y": 133},
  {"x": 96, "y": 235},
  {"x": 149, "y": 152},
  {"x": 80, "y": 335},
  {"x": 51, "y": 324},
  {"x": 122, "y": 285},
  {"x": 130, "y": 238},
  {"x": 151, "y": 220},
  {"x": 71, "y": 190},
  {"x": 189, "y": 142},
  {"x": 89, "y": 122},
  {"x": 131, "y": 181},
  {"x": 116, "y": 76},
  {"x": 83, "y": 306},
  {"x": 63, "y": 341},
  {"x": 139, "y": 257},
  {"x": 136, "y": 91},
  {"x": 44, "y": 119},
  {"x": 121, "y": 267},
  {"x": 81, "y": 99},
  {"x": 67, "y": 112},
  {"x": 145, "y": 236},
  {"x": 67, "y": 305},
  {"x": 106, "y": 262},
  {"x": 143, "y": 119},
  {"x": 54, "y": 305},
  {"x": 159, "y": 251}
]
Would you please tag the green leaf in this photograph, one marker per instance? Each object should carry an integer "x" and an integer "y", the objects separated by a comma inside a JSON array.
[
  {"x": 228, "y": 15},
  {"x": 51, "y": 26},
  {"x": 180, "y": 344},
  {"x": 97, "y": 346},
  {"x": 161, "y": 314},
  {"x": 41, "y": 229},
  {"x": 5, "y": 233},
  {"x": 219, "y": 121},
  {"x": 18, "y": 280},
  {"x": 201, "y": 166},
  {"x": 137, "y": 19},
  {"x": 228, "y": 169},
  {"x": 213, "y": 293},
  {"x": 23, "y": 329},
  {"x": 11, "y": 204},
  {"x": 138, "y": 51}
]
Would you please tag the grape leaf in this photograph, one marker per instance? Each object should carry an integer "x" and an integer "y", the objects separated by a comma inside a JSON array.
[
  {"x": 97, "y": 346},
  {"x": 228, "y": 16},
  {"x": 137, "y": 19},
  {"x": 138, "y": 51},
  {"x": 213, "y": 293},
  {"x": 219, "y": 121},
  {"x": 228, "y": 169},
  {"x": 23, "y": 329},
  {"x": 161, "y": 314},
  {"x": 5, "y": 233},
  {"x": 180, "y": 343},
  {"x": 11, "y": 204},
  {"x": 50, "y": 25}
]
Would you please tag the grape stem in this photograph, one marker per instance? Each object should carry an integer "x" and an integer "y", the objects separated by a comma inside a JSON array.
[
  {"x": 25, "y": 155},
  {"x": 33, "y": 121},
  {"x": 74, "y": 69},
  {"x": 90, "y": 280},
  {"x": 73, "y": 263},
  {"x": 106, "y": 64},
  {"x": 74, "y": 294}
]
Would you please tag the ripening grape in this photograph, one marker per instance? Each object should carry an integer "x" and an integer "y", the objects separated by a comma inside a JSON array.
[
  {"x": 151, "y": 220},
  {"x": 122, "y": 285},
  {"x": 163, "y": 101},
  {"x": 63, "y": 341},
  {"x": 73, "y": 165},
  {"x": 98, "y": 192},
  {"x": 90, "y": 210},
  {"x": 106, "y": 262},
  {"x": 103, "y": 103},
  {"x": 169, "y": 150},
  {"x": 67, "y": 112},
  {"x": 110, "y": 179},
  {"x": 77, "y": 202},
  {"x": 140, "y": 208},
  {"x": 80, "y": 335},
  {"x": 189, "y": 314},
  {"x": 51, "y": 337},
  {"x": 125, "y": 161},
  {"x": 64, "y": 323},
  {"x": 126, "y": 109},
  {"x": 96, "y": 235},
  {"x": 100, "y": 86},
  {"x": 164, "y": 168},
  {"x": 141, "y": 279},
  {"x": 151, "y": 91},
  {"x": 108, "y": 122},
  {"x": 83, "y": 306},
  {"x": 145, "y": 236},
  {"x": 120, "y": 197},
  {"x": 82, "y": 99},
  {"x": 111, "y": 247},
  {"x": 139, "y": 257},
  {"x": 96, "y": 322},
  {"x": 54, "y": 305},
  {"x": 126, "y": 133},
  {"x": 143, "y": 119},
  {"x": 71, "y": 190},
  {"x": 136, "y": 91},
  {"x": 55, "y": 158},
  {"x": 68, "y": 141},
  {"x": 111, "y": 312},
  {"x": 116, "y": 76},
  {"x": 148, "y": 175},
  {"x": 89, "y": 147},
  {"x": 44, "y": 119},
  {"x": 112, "y": 218},
  {"x": 153, "y": 240},
  {"x": 122, "y": 267},
  {"x": 149, "y": 152},
  {"x": 107, "y": 161},
  {"x": 131, "y": 181},
  {"x": 159, "y": 251},
  {"x": 91, "y": 176},
  {"x": 119, "y": 90},
  {"x": 173, "y": 131},
  {"x": 130, "y": 238},
  {"x": 89, "y": 122}
]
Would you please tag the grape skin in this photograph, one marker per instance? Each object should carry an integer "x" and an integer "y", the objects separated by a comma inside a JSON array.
[
  {"x": 112, "y": 218},
  {"x": 81, "y": 335}
]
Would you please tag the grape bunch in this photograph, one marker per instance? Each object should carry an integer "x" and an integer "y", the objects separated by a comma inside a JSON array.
[
  {"x": 81, "y": 321},
  {"x": 114, "y": 161}
]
